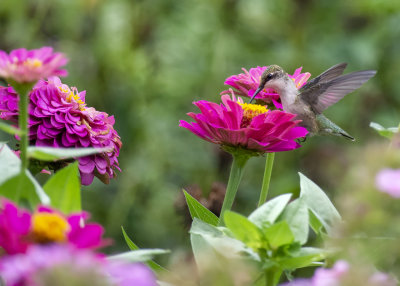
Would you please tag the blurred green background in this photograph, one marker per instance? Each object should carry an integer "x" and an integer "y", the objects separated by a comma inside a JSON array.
[{"x": 146, "y": 61}]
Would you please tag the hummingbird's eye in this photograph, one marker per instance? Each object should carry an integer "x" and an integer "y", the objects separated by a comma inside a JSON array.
[{"x": 269, "y": 76}]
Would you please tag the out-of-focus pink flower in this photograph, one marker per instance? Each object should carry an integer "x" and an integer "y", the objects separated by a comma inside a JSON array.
[
  {"x": 247, "y": 83},
  {"x": 55, "y": 264},
  {"x": 19, "y": 229},
  {"x": 339, "y": 275},
  {"x": 27, "y": 66},
  {"x": 388, "y": 181},
  {"x": 248, "y": 126},
  {"x": 59, "y": 117}
]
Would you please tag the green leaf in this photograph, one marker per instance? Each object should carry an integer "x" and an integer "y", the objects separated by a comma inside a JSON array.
[
  {"x": 129, "y": 242},
  {"x": 141, "y": 255},
  {"x": 51, "y": 154},
  {"x": 64, "y": 189},
  {"x": 385, "y": 132},
  {"x": 279, "y": 234},
  {"x": 319, "y": 203},
  {"x": 10, "y": 164},
  {"x": 315, "y": 224},
  {"x": 269, "y": 212},
  {"x": 24, "y": 186},
  {"x": 132, "y": 246},
  {"x": 243, "y": 229},
  {"x": 296, "y": 215},
  {"x": 197, "y": 210},
  {"x": 307, "y": 256},
  {"x": 9, "y": 129}
]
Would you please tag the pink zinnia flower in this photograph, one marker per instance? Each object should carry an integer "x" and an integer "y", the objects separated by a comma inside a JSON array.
[
  {"x": 26, "y": 66},
  {"x": 247, "y": 83},
  {"x": 19, "y": 228},
  {"x": 242, "y": 125},
  {"x": 55, "y": 264},
  {"x": 388, "y": 181},
  {"x": 59, "y": 117}
]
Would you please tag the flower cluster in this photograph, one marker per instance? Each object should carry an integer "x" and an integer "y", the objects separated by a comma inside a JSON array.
[
  {"x": 340, "y": 274},
  {"x": 246, "y": 83},
  {"x": 55, "y": 264},
  {"x": 25, "y": 66},
  {"x": 250, "y": 126},
  {"x": 59, "y": 117},
  {"x": 19, "y": 229}
]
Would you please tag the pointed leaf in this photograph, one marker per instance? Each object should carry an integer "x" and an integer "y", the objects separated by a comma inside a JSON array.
[
  {"x": 9, "y": 129},
  {"x": 296, "y": 215},
  {"x": 10, "y": 164},
  {"x": 305, "y": 257},
  {"x": 24, "y": 186},
  {"x": 279, "y": 234},
  {"x": 196, "y": 209},
  {"x": 315, "y": 224},
  {"x": 269, "y": 212},
  {"x": 51, "y": 154},
  {"x": 243, "y": 229},
  {"x": 141, "y": 255},
  {"x": 319, "y": 203},
  {"x": 64, "y": 189},
  {"x": 132, "y": 246},
  {"x": 385, "y": 132}
]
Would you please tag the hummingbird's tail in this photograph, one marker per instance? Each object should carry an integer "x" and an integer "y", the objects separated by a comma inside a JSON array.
[{"x": 327, "y": 127}]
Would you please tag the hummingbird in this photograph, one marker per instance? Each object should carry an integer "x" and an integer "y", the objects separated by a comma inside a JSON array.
[{"x": 313, "y": 98}]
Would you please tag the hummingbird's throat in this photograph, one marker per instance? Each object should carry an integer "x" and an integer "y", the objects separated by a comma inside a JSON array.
[{"x": 250, "y": 111}]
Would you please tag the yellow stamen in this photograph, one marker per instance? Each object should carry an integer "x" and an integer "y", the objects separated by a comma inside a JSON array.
[
  {"x": 72, "y": 96},
  {"x": 49, "y": 227},
  {"x": 252, "y": 110},
  {"x": 33, "y": 63}
]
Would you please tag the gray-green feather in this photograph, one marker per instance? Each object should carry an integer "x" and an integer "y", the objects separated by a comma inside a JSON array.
[{"x": 327, "y": 127}]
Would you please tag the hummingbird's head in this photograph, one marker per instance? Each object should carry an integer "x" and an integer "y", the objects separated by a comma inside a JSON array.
[{"x": 273, "y": 77}]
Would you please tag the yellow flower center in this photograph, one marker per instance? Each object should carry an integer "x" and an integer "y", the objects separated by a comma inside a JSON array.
[
  {"x": 49, "y": 227},
  {"x": 73, "y": 96},
  {"x": 250, "y": 111},
  {"x": 33, "y": 63}
]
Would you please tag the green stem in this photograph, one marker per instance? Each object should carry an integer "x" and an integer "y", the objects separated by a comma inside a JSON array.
[
  {"x": 23, "y": 92},
  {"x": 272, "y": 276},
  {"x": 267, "y": 178},
  {"x": 235, "y": 176}
]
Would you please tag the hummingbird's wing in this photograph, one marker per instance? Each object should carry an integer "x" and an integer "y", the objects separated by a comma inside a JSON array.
[
  {"x": 327, "y": 75},
  {"x": 324, "y": 94}
]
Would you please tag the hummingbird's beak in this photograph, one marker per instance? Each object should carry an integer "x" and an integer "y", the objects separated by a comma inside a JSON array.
[{"x": 257, "y": 92}]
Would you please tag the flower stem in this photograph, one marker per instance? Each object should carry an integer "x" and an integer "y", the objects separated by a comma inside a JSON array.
[
  {"x": 235, "y": 176},
  {"x": 23, "y": 92},
  {"x": 267, "y": 178},
  {"x": 272, "y": 276}
]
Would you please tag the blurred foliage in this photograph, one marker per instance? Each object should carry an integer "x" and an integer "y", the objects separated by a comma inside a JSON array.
[{"x": 146, "y": 61}]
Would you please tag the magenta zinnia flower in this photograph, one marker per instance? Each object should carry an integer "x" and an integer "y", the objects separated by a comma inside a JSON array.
[
  {"x": 26, "y": 66},
  {"x": 19, "y": 229},
  {"x": 388, "y": 181},
  {"x": 247, "y": 126},
  {"x": 59, "y": 117},
  {"x": 247, "y": 83},
  {"x": 56, "y": 264}
]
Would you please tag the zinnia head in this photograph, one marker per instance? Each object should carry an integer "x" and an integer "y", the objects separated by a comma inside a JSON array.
[
  {"x": 59, "y": 117},
  {"x": 19, "y": 229},
  {"x": 28, "y": 66},
  {"x": 238, "y": 125},
  {"x": 247, "y": 83},
  {"x": 388, "y": 181},
  {"x": 66, "y": 265}
]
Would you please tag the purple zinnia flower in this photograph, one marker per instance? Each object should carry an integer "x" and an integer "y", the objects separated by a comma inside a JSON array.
[
  {"x": 338, "y": 275},
  {"x": 53, "y": 264},
  {"x": 25, "y": 66},
  {"x": 247, "y": 83},
  {"x": 59, "y": 117},
  {"x": 249, "y": 126},
  {"x": 388, "y": 181}
]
